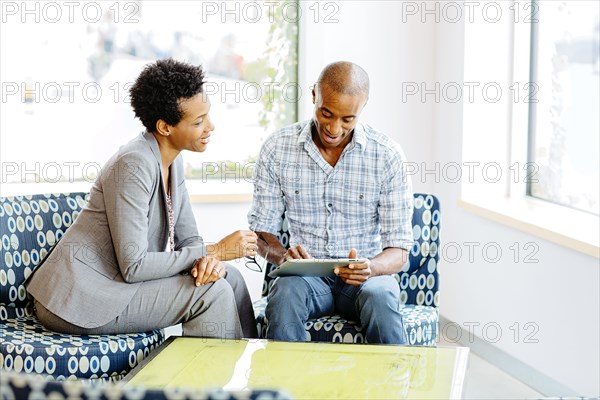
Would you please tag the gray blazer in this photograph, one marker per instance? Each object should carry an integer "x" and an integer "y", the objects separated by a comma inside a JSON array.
[{"x": 119, "y": 238}]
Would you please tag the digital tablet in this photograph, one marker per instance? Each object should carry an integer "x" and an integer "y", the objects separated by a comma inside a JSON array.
[{"x": 312, "y": 267}]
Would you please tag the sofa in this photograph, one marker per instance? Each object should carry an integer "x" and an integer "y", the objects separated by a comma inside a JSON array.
[
  {"x": 418, "y": 281},
  {"x": 29, "y": 226}
]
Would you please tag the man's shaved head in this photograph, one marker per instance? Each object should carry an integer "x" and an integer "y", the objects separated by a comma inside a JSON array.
[
  {"x": 344, "y": 77},
  {"x": 339, "y": 96}
]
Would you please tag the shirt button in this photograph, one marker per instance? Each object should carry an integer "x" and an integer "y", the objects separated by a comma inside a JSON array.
[{"x": 329, "y": 205}]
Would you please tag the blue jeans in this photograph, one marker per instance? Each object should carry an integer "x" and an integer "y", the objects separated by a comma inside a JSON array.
[{"x": 375, "y": 304}]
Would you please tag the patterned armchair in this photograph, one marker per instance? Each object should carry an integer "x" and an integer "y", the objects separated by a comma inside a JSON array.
[
  {"x": 418, "y": 282},
  {"x": 29, "y": 226}
]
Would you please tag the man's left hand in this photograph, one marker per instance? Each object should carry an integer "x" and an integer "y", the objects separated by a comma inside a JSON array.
[{"x": 354, "y": 274}]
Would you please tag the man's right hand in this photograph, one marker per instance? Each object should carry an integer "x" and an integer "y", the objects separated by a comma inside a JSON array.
[{"x": 296, "y": 253}]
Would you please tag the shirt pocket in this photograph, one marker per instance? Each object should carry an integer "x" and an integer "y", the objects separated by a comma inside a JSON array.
[
  {"x": 359, "y": 204},
  {"x": 303, "y": 197}
]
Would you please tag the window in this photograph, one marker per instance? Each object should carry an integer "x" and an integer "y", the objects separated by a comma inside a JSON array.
[
  {"x": 67, "y": 66},
  {"x": 564, "y": 119},
  {"x": 538, "y": 156}
]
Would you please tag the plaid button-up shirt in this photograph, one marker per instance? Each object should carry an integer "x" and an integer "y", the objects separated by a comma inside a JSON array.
[{"x": 364, "y": 202}]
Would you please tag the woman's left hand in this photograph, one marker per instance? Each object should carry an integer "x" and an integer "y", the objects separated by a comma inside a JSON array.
[
  {"x": 238, "y": 244},
  {"x": 207, "y": 269}
]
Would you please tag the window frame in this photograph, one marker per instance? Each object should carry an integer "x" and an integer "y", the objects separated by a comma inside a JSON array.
[{"x": 509, "y": 204}]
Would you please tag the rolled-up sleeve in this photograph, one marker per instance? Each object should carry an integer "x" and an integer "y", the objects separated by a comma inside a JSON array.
[{"x": 396, "y": 205}]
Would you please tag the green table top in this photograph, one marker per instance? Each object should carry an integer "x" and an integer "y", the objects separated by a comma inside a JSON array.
[{"x": 307, "y": 370}]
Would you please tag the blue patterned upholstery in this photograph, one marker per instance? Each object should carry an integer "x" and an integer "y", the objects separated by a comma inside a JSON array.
[
  {"x": 30, "y": 387},
  {"x": 29, "y": 226},
  {"x": 418, "y": 282}
]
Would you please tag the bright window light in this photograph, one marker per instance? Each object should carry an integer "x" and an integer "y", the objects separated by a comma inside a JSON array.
[{"x": 66, "y": 68}]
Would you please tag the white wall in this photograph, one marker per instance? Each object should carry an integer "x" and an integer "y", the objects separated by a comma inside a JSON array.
[
  {"x": 371, "y": 34},
  {"x": 558, "y": 295},
  {"x": 215, "y": 221}
]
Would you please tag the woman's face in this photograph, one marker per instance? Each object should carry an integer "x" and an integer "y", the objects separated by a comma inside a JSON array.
[{"x": 193, "y": 131}]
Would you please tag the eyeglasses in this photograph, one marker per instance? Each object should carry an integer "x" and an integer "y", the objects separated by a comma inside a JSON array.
[
  {"x": 251, "y": 262},
  {"x": 253, "y": 265}
]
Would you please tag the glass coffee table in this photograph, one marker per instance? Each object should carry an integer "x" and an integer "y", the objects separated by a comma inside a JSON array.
[{"x": 306, "y": 370}]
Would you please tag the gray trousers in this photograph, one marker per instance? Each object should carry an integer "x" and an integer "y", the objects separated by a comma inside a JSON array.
[{"x": 222, "y": 309}]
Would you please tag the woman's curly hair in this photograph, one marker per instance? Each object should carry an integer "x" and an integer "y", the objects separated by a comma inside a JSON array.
[{"x": 159, "y": 89}]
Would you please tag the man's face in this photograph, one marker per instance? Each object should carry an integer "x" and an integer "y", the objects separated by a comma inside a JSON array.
[
  {"x": 336, "y": 115},
  {"x": 193, "y": 131}
]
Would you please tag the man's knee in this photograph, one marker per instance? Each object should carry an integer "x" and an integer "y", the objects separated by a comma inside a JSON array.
[
  {"x": 288, "y": 286},
  {"x": 381, "y": 284},
  {"x": 288, "y": 295},
  {"x": 380, "y": 290}
]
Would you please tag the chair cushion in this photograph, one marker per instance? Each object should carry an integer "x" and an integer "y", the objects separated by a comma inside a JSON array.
[
  {"x": 420, "y": 323},
  {"x": 27, "y": 346}
]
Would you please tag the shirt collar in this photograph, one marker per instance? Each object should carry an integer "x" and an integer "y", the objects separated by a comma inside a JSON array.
[{"x": 359, "y": 136}]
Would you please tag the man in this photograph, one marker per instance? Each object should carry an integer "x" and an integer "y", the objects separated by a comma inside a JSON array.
[{"x": 345, "y": 191}]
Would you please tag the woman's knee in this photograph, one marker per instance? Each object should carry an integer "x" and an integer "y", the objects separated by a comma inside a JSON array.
[
  {"x": 220, "y": 292},
  {"x": 233, "y": 274},
  {"x": 214, "y": 314},
  {"x": 222, "y": 288}
]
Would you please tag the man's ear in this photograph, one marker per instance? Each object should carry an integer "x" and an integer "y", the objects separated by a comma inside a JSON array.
[
  {"x": 162, "y": 128},
  {"x": 314, "y": 94}
]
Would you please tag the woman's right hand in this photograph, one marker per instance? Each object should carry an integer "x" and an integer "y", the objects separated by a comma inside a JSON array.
[{"x": 238, "y": 244}]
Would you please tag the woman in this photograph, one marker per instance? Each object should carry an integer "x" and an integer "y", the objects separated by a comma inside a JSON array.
[{"x": 125, "y": 263}]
